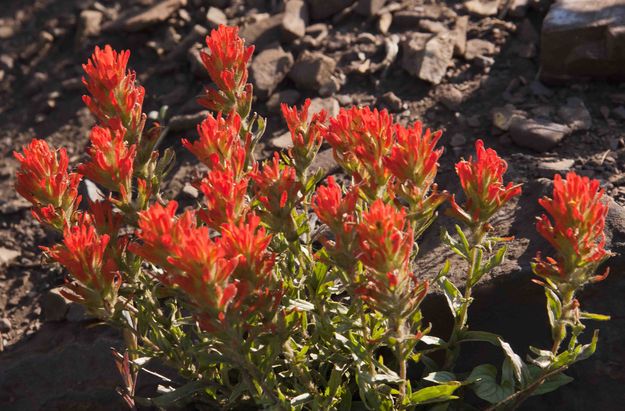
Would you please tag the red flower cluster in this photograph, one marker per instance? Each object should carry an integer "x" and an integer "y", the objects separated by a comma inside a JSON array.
[
  {"x": 224, "y": 198},
  {"x": 307, "y": 135},
  {"x": 112, "y": 160},
  {"x": 360, "y": 139},
  {"x": 226, "y": 64},
  {"x": 338, "y": 213},
  {"x": 85, "y": 254},
  {"x": 577, "y": 230},
  {"x": 219, "y": 145},
  {"x": 116, "y": 100},
  {"x": 194, "y": 262},
  {"x": 482, "y": 183},
  {"x": 277, "y": 188},
  {"x": 43, "y": 180}
]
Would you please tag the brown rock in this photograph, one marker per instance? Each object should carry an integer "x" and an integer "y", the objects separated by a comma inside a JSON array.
[
  {"x": 330, "y": 105},
  {"x": 322, "y": 9},
  {"x": 268, "y": 69},
  {"x": 183, "y": 122},
  {"x": 215, "y": 17},
  {"x": 428, "y": 57},
  {"x": 89, "y": 24},
  {"x": 483, "y": 8},
  {"x": 583, "y": 39},
  {"x": 54, "y": 305},
  {"x": 449, "y": 96},
  {"x": 538, "y": 135},
  {"x": 384, "y": 22},
  {"x": 460, "y": 35},
  {"x": 295, "y": 20},
  {"x": 195, "y": 59},
  {"x": 288, "y": 97},
  {"x": 575, "y": 114},
  {"x": 7, "y": 256},
  {"x": 312, "y": 70},
  {"x": 263, "y": 32},
  {"x": 432, "y": 26},
  {"x": 158, "y": 13},
  {"x": 479, "y": 47},
  {"x": 369, "y": 7}
]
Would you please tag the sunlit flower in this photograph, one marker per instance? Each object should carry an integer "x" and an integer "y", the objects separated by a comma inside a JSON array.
[
  {"x": 483, "y": 186},
  {"x": 224, "y": 198},
  {"x": 111, "y": 163},
  {"x": 277, "y": 187},
  {"x": 43, "y": 180},
  {"x": 575, "y": 229},
  {"x": 226, "y": 63},
  {"x": 219, "y": 145},
  {"x": 116, "y": 100},
  {"x": 360, "y": 139},
  {"x": 84, "y": 254},
  {"x": 307, "y": 134}
]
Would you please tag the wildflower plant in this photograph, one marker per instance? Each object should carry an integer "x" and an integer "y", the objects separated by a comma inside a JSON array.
[{"x": 280, "y": 290}]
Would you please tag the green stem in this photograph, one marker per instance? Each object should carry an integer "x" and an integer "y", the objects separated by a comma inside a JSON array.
[{"x": 399, "y": 334}]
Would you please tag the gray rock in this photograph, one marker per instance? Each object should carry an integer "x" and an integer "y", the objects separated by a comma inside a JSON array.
[
  {"x": 282, "y": 141},
  {"x": 502, "y": 117},
  {"x": 479, "y": 47},
  {"x": 7, "y": 256},
  {"x": 5, "y": 325},
  {"x": 330, "y": 105},
  {"x": 194, "y": 58},
  {"x": 89, "y": 24},
  {"x": 431, "y": 26},
  {"x": 158, "y": 13},
  {"x": 313, "y": 70},
  {"x": 322, "y": 9},
  {"x": 538, "y": 135},
  {"x": 369, "y": 7},
  {"x": 457, "y": 140},
  {"x": 575, "y": 114},
  {"x": 324, "y": 161},
  {"x": 54, "y": 305},
  {"x": 384, "y": 22},
  {"x": 289, "y": 97},
  {"x": 482, "y": 8},
  {"x": 295, "y": 20},
  {"x": 268, "y": 69},
  {"x": 460, "y": 35},
  {"x": 548, "y": 168},
  {"x": 391, "y": 101},
  {"x": 449, "y": 96},
  {"x": 215, "y": 17},
  {"x": 183, "y": 122},
  {"x": 428, "y": 57},
  {"x": 583, "y": 39},
  {"x": 264, "y": 32}
]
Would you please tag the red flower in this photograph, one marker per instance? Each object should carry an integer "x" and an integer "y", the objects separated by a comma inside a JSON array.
[
  {"x": 111, "y": 163},
  {"x": 307, "y": 135},
  {"x": 385, "y": 238},
  {"x": 224, "y": 197},
  {"x": 193, "y": 261},
  {"x": 576, "y": 229},
  {"x": 276, "y": 187},
  {"x": 115, "y": 98},
  {"x": 360, "y": 139},
  {"x": 43, "y": 180},
  {"x": 248, "y": 243},
  {"x": 219, "y": 145},
  {"x": 84, "y": 253},
  {"x": 226, "y": 64},
  {"x": 482, "y": 183}
]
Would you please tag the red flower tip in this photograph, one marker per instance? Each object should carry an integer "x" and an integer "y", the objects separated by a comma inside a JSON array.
[
  {"x": 277, "y": 187},
  {"x": 112, "y": 159},
  {"x": 224, "y": 198},
  {"x": 574, "y": 227},
  {"x": 482, "y": 183},
  {"x": 307, "y": 134},
  {"x": 43, "y": 180}
]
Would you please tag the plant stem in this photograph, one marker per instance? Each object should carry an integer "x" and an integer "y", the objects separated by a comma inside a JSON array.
[{"x": 401, "y": 357}]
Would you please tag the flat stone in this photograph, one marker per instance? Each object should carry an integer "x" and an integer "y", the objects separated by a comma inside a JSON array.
[
  {"x": 538, "y": 135},
  {"x": 7, "y": 256},
  {"x": 158, "y": 13},
  {"x": 329, "y": 104},
  {"x": 583, "y": 39},
  {"x": 548, "y": 168},
  {"x": 263, "y": 32},
  {"x": 502, "y": 117},
  {"x": 295, "y": 20},
  {"x": 479, "y": 48},
  {"x": 369, "y": 7},
  {"x": 428, "y": 57},
  {"x": 324, "y": 161},
  {"x": 89, "y": 24},
  {"x": 289, "y": 97},
  {"x": 460, "y": 35},
  {"x": 322, "y": 9},
  {"x": 183, "y": 122},
  {"x": 215, "y": 17},
  {"x": 268, "y": 69},
  {"x": 482, "y": 8},
  {"x": 575, "y": 114},
  {"x": 313, "y": 71},
  {"x": 282, "y": 141},
  {"x": 432, "y": 26}
]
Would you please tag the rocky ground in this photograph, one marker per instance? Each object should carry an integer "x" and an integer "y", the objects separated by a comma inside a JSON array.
[{"x": 470, "y": 68}]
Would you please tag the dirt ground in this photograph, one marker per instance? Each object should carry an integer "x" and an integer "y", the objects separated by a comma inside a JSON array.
[{"x": 42, "y": 47}]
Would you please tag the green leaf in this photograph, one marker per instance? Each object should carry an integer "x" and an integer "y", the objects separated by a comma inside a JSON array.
[
  {"x": 483, "y": 336},
  {"x": 440, "y": 377},
  {"x": 300, "y": 304},
  {"x": 443, "y": 271},
  {"x": 554, "y": 308},
  {"x": 588, "y": 349},
  {"x": 494, "y": 261},
  {"x": 176, "y": 395},
  {"x": 552, "y": 384},
  {"x": 485, "y": 386},
  {"x": 463, "y": 239},
  {"x": 454, "y": 245},
  {"x": 434, "y": 394},
  {"x": 477, "y": 273},
  {"x": 452, "y": 295},
  {"x": 521, "y": 372},
  {"x": 301, "y": 399},
  {"x": 593, "y": 316}
]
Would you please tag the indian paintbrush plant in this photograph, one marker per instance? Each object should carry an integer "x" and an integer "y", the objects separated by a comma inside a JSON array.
[{"x": 284, "y": 289}]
